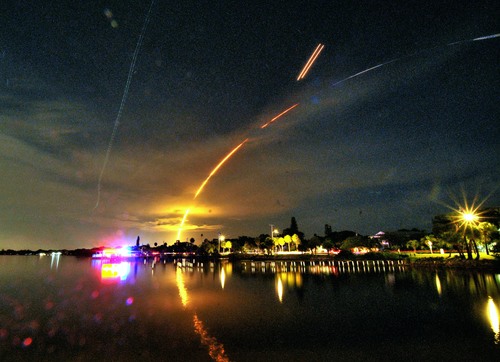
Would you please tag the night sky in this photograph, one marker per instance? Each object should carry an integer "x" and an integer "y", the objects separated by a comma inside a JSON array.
[{"x": 384, "y": 150}]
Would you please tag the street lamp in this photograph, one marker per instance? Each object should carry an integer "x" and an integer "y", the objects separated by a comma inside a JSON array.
[
  {"x": 221, "y": 238},
  {"x": 273, "y": 231},
  {"x": 468, "y": 219}
]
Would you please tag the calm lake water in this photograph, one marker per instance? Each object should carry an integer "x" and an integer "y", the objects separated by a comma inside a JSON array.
[{"x": 60, "y": 308}]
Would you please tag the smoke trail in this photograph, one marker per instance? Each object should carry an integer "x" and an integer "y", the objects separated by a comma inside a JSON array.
[
  {"x": 486, "y": 37},
  {"x": 124, "y": 98},
  {"x": 364, "y": 71},
  {"x": 481, "y": 38}
]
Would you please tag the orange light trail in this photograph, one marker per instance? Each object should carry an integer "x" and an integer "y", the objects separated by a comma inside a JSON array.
[
  {"x": 219, "y": 166},
  {"x": 279, "y": 115},
  {"x": 182, "y": 224},
  {"x": 310, "y": 62},
  {"x": 205, "y": 182}
]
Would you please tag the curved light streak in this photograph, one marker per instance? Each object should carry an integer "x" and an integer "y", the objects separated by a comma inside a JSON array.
[
  {"x": 221, "y": 163},
  {"x": 219, "y": 166},
  {"x": 302, "y": 74},
  {"x": 200, "y": 189}
]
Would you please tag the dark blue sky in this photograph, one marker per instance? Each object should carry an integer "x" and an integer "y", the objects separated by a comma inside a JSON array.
[{"x": 379, "y": 151}]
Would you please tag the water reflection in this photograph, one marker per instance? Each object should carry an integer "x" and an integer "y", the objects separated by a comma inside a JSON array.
[
  {"x": 179, "y": 278},
  {"x": 438, "y": 284},
  {"x": 279, "y": 287},
  {"x": 492, "y": 313},
  {"x": 325, "y": 267},
  {"x": 54, "y": 259},
  {"x": 112, "y": 272},
  {"x": 222, "y": 277},
  {"x": 181, "y": 311},
  {"x": 215, "y": 349}
]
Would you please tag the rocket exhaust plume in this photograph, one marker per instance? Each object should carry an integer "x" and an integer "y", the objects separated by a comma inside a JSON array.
[
  {"x": 279, "y": 115},
  {"x": 214, "y": 171},
  {"x": 219, "y": 166},
  {"x": 310, "y": 62},
  {"x": 182, "y": 224}
]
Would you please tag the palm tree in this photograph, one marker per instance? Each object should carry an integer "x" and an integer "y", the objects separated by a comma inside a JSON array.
[
  {"x": 486, "y": 229},
  {"x": 288, "y": 240},
  {"x": 296, "y": 240},
  {"x": 281, "y": 242},
  {"x": 413, "y": 244},
  {"x": 429, "y": 240}
]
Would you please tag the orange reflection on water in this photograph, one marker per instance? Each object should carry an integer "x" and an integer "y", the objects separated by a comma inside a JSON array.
[
  {"x": 222, "y": 278},
  {"x": 215, "y": 349},
  {"x": 279, "y": 288},
  {"x": 179, "y": 278}
]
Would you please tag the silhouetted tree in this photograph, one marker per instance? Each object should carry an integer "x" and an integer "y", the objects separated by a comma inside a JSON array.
[{"x": 293, "y": 229}]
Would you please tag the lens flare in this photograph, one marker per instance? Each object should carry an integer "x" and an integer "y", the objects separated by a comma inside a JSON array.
[
  {"x": 311, "y": 61},
  {"x": 468, "y": 215}
]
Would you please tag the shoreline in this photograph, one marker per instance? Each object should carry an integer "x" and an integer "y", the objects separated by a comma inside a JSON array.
[{"x": 444, "y": 262}]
